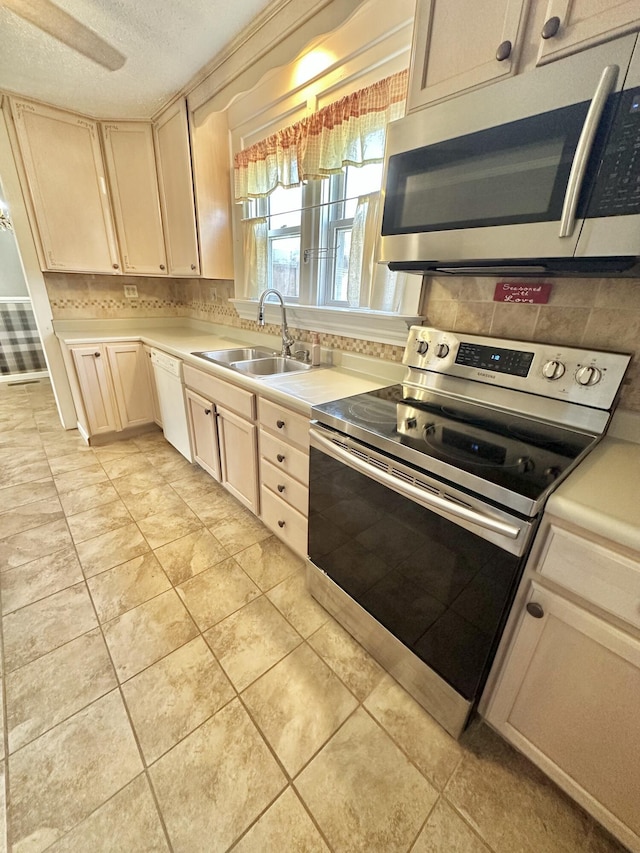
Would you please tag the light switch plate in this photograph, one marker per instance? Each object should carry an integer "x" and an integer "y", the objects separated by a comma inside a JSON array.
[{"x": 131, "y": 291}]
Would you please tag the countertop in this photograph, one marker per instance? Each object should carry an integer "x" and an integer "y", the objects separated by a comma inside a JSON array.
[
  {"x": 341, "y": 374},
  {"x": 603, "y": 494}
]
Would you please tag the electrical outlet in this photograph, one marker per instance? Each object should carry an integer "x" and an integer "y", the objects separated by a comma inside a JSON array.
[{"x": 131, "y": 291}]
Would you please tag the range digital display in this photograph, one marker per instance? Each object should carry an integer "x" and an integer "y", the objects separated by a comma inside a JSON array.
[
  {"x": 513, "y": 362},
  {"x": 484, "y": 450}
]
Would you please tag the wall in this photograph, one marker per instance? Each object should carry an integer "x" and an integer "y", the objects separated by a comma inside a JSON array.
[{"x": 12, "y": 281}]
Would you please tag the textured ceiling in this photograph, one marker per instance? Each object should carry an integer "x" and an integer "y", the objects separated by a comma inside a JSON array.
[{"x": 165, "y": 41}]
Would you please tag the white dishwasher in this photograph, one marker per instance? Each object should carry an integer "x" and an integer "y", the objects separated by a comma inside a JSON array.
[{"x": 167, "y": 372}]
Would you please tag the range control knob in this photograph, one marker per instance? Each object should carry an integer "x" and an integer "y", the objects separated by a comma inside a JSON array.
[
  {"x": 525, "y": 464},
  {"x": 588, "y": 375},
  {"x": 553, "y": 370},
  {"x": 422, "y": 347},
  {"x": 442, "y": 350},
  {"x": 411, "y": 423}
]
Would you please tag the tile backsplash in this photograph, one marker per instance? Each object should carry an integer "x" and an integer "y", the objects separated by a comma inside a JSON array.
[{"x": 594, "y": 313}]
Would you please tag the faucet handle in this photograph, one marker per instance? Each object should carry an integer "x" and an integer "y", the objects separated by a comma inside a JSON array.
[{"x": 301, "y": 354}]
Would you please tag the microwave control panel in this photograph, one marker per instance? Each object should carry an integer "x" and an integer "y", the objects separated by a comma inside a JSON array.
[{"x": 617, "y": 188}]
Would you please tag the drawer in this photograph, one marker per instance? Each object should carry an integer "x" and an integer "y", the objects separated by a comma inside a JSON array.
[
  {"x": 601, "y": 576},
  {"x": 286, "y": 424},
  {"x": 288, "y": 524},
  {"x": 288, "y": 489},
  {"x": 218, "y": 391},
  {"x": 284, "y": 457}
]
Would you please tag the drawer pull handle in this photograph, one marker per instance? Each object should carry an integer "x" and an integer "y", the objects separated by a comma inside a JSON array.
[
  {"x": 280, "y": 457},
  {"x": 281, "y": 524},
  {"x": 281, "y": 488},
  {"x": 207, "y": 411},
  {"x": 534, "y": 609},
  {"x": 280, "y": 424}
]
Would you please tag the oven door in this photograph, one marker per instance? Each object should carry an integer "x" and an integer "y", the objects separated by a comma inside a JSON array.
[{"x": 432, "y": 567}]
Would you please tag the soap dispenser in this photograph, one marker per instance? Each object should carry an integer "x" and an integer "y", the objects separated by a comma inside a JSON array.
[{"x": 315, "y": 349}]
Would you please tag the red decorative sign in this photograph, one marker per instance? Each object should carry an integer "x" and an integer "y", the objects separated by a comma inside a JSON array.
[{"x": 516, "y": 292}]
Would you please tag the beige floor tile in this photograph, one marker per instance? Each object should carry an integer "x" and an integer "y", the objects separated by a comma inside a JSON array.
[
  {"x": 25, "y": 547},
  {"x": 172, "y": 469},
  {"x": 116, "y": 450},
  {"x": 284, "y": 826},
  {"x": 47, "y": 691},
  {"x": 214, "y": 505},
  {"x": 159, "y": 499},
  {"x": 126, "y": 586},
  {"x": 122, "y": 466},
  {"x": 164, "y": 527},
  {"x": 426, "y": 743},
  {"x": 295, "y": 602},
  {"x": 364, "y": 792},
  {"x": 65, "y": 443},
  {"x": 251, "y": 641},
  {"x": 39, "y": 578},
  {"x": 346, "y": 657},
  {"x": 269, "y": 562},
  {"x": 188, "y": 556},
  {"x": 139, "y": 482},
  {"x": 128, "y": 822},
  {"x": 26, "y": 472},
  {"x": 73, "y": 480},
  {"x": 298, "y": 705},
  {"x": 89, "y": 496},
  {"x": 43, "y": 626},
  {"x": 174, "y": 696},
  {"x": 71, "y": 461},
  {"x": 60, "y": 778},
  {"x": 217, "y": 592},
  {"x": 147, "y": 633},
  {"x": 28, "y": 516},
  {"x": 238, "y": 531},
  {"x": 195, "y": 485},
  {"x": 98, "y": 520},
  {"x": 493, "y": 780},
  {"x": 446, "y": 830},
  {"x": 213, "y": 784},
  {"x": 12, "y": 497},
  {"x": 111, "y": 549}
]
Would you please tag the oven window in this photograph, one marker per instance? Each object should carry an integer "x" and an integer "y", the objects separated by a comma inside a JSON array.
[{"x": 438, "y": 588}]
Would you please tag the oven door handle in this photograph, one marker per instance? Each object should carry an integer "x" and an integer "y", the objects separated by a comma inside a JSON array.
[{"x": 429, "y": 501}]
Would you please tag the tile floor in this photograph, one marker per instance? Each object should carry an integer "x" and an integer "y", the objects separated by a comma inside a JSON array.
[{"x": 170, "y": 685}]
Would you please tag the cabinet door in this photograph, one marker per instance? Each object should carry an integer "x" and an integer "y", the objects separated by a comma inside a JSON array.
[
  {"x": 157, "y": 414},
  {"x": 204, "y": 434},
  {"x": 130, "y": 377},
  {"x": 176, "y": 190},
  {"x": 456, "y": 44},
  {"x": 572, "y": 25},
  {"x": 95, "y": 386},
  {"x": 131, "y": 167},
  {"x": 65, "y": 174},
  {"x": 239, "y": 457},
  {"x": 568, "y": 697}
]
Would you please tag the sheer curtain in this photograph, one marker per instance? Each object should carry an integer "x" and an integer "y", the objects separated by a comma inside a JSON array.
[{"x": 255, "y": 256}]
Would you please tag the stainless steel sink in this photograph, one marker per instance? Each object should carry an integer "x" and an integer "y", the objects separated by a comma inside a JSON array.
[
  {"x": 227, "y": 356},
  {"x": 270, "y": 366}
]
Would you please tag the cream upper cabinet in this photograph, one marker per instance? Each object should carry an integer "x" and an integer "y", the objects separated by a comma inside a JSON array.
[
  {"x": 458, "y": 45},
  {"x": 64, "y": 169},
  {"x": 131, "y": 168},
  {"x": 175, "y": 180},
  {"x": 571, "y": 25}
]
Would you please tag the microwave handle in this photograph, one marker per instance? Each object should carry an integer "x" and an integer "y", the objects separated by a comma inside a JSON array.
[{"x": 583, "y": 150}]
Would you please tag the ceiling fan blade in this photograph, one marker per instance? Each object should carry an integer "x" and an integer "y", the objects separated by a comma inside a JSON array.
[{"x": 62, "y": 26}]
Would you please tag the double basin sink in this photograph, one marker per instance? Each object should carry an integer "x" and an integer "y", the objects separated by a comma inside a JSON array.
[{"x": 254, "y": 361}]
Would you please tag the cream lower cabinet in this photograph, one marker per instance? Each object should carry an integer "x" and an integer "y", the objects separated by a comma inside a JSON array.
[
  {"x": 114, "y": 386},
  {"x": 284, "y": 473},
  {"x": 568, "y": 691},
  {"x": 225, "y": 437}
]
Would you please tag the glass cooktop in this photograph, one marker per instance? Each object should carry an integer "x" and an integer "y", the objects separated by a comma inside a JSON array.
[{"x": 489, "y": 451}]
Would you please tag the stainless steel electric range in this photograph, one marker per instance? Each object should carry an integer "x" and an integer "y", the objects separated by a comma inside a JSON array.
[{"x": 424, "y": 498}]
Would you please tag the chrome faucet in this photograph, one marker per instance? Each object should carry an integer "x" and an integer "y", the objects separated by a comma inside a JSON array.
[{"x": 287, "y": 340}]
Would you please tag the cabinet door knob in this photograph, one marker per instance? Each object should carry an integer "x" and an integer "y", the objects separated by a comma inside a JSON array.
[
  {"x": 161, "y": 266},
  {"x": 280, "y": 488},
  {"x": 193, "y": 266},
  {"x": 504, "y": 51},
  {"x": 207, "y": 411},
  {"x": 534, "y": 609},
  {"x": 116, "y": 266},
  {"x": 280, "y": 457},
  {"x": 280, "y": 424},
  {"x": 281, "y": 524},
  {"x": 551, "y": 27},
  {"x": 97, "y": 354}
]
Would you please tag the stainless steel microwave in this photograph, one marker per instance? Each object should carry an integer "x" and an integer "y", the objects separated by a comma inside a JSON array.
[{"x": 534, "y": 175}]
